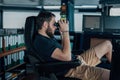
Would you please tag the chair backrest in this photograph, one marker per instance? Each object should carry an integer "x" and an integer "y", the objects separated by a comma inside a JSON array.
[
  {"x": 30, "y": 30},
  {"x": 29, "y": 36}
]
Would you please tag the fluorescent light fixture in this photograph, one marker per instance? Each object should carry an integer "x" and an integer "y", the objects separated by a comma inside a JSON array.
[
  {"x": 79, "y": 7},
  {"x": 51, "y": 7},
  {"x": 86, "y": 7}
]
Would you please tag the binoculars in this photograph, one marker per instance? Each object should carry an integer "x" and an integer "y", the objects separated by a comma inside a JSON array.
[{"x": 56, "y": 24}]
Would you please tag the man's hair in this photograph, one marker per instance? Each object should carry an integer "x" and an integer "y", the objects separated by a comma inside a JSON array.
[{"x": 42, "y": 17}]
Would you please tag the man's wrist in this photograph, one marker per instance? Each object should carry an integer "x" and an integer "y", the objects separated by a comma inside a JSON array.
[{"x": 64, "y": 31}]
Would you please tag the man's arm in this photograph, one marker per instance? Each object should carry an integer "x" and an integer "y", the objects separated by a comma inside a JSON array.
[{"x": 65, "y": 53}]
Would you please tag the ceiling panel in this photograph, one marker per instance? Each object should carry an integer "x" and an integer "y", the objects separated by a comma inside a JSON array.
[{"x": 86, "y": 2}]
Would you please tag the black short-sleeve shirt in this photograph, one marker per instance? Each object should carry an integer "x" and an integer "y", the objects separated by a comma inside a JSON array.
[{"x": 45, "y": 46}]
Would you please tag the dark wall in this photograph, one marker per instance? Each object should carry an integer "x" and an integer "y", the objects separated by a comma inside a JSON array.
[{"x": 0, "y": 19}]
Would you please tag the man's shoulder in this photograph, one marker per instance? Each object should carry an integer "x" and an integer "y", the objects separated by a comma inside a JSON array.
[{"x": 41, "y": 37}]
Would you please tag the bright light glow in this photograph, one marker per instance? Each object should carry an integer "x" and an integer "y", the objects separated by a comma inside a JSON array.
[
  {"x": 115, "y": 12},
  {"x": 39, "y": 7}
]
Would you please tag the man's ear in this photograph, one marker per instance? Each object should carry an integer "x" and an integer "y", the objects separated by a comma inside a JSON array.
[{"x": 45, "y": 24}]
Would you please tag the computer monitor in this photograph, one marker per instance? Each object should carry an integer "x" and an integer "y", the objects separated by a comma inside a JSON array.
[
  {"x": 92, "y": 23},
  {"x": 112, "y": 24}
]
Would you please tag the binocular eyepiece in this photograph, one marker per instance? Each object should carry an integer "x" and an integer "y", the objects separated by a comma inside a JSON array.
[{"x": 56, "y": 24}]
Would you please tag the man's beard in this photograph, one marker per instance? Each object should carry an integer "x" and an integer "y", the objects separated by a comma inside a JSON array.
[{"x": 49, "y": 32}]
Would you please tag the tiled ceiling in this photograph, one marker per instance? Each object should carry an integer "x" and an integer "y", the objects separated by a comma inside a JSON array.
[{"x": 76, "y": 2}]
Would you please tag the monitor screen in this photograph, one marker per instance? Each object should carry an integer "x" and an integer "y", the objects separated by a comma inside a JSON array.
[
  {"x": 112, "y": 24},
  {"x": 91, "y": 22}
]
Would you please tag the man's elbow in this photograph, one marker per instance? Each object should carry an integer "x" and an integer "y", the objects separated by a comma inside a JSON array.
[{"x": 67, "y": 57}]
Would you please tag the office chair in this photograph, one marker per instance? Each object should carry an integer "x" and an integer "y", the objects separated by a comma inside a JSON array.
[{"x": 39, "y": 65}]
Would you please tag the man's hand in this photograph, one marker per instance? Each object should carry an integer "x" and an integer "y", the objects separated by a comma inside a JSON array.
[{"x": 63, "y": 25}]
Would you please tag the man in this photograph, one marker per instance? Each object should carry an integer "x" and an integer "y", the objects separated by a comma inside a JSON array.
[{"x": 51, "y": 50}]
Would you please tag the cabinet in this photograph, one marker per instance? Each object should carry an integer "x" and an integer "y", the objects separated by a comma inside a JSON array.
[{"x": 12, "y": 64}]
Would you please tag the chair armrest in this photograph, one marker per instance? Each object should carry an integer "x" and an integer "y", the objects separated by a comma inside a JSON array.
[{"x": 55, "y": 67}]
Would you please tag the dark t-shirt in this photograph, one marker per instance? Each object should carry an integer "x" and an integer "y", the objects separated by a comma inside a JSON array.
[{"x": 45, "y": 46}]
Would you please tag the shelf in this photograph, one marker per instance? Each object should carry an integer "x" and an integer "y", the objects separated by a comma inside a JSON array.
[
  {"x": 11, "y": 51},
  {"x": 13, "y": 68}
]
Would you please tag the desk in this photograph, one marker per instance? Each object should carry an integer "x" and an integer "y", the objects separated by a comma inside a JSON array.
[{"x": 91, "y": 37}]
